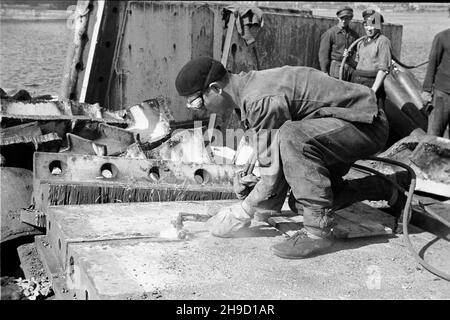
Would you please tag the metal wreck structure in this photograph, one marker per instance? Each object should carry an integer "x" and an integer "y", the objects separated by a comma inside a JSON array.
[{"x": 116, "y": 175}]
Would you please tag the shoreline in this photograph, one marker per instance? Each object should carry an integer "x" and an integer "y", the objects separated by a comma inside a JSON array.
[{"x": 20, "y": 14}]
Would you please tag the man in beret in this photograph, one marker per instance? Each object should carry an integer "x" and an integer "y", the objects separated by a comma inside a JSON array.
[
  {"x": 334, "y": 42},
  {"x": 309, "y": 129}
]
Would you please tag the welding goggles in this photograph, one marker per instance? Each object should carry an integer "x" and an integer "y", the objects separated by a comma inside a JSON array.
[
  {"x": 374, "y": 20},
  {"x": 195, "y": 101}
]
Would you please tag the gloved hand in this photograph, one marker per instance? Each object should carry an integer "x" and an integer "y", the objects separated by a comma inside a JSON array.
[
  {"x": 426, "y": 97},
  {"x": 229, "y": 220},
  {"x": 242, "y": 185}
]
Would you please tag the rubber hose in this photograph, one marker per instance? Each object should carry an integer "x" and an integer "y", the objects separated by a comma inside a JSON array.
[
  {"x": 412, "y": 174},
  {"x": 354, "y": 43},
  {"x": 405, "y": 65},
  {"x": 407, "y": 210},
  {"x": 395, "y": 184}
]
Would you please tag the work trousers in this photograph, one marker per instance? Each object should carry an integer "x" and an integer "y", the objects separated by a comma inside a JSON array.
[
  {"x": 312, "y": 157},
  {"x": 346, "y": 72},
  {"x": 439, "y": 118},
  {"x": 368, "y": 82}
]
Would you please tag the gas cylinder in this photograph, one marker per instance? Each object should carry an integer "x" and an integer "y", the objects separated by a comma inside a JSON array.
[
  {"x": 409, "y": 82},
  {"x": 403, "y": 91}
]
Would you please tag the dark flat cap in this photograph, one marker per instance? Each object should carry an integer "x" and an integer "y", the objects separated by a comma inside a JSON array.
[
  {"x": 198, "y": 74},
  {"x": 344, "y": 11}
]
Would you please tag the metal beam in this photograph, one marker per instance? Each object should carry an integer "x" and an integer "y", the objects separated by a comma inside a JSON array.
[{"x": 69, "y": 178}]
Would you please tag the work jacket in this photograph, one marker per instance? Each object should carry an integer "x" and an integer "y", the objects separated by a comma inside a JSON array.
[
  {"x": 332, "y": 45},
  {"x": 438, "y": 71},
  {"x": 269, "y": 98}
]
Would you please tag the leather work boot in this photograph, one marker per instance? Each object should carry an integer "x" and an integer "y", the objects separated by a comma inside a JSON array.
[
  {"x": 398, "y": 199},
  {"x": 301, "y": 245}
]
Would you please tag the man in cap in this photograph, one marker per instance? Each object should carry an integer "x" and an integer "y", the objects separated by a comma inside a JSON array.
[
  {"x": 373, "y": 55},
  {"x": 309, "y": 129},
  {"x": 437, "y": 81},
  {"x": 333, "y": 43}
]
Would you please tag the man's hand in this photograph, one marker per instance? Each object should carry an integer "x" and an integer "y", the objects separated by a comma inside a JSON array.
[
  {"x": 426, "y": 97},
  {"x": 345, "y": 54},
  {"x": 242, "y": 185},
  {"x": 229, "y": 220}
]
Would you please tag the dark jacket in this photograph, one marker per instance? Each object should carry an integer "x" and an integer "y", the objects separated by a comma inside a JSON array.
[
  {"x": 438, "y": 71},
  {"x": 268, "y": 98},
  {"x": 332, "y": 45}
]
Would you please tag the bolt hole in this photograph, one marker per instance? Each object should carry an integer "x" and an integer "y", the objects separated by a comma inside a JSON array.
[
  {"x": 154, "y": 173},
  {"x": 174, "y": 46},
  {"x": 107, "y": 44},
  {"x": 100, "y": 79},
  {"x": 49, "y": 225},
  {"x": 71, "y": 268},
  {"x": 86, "y": 295},
  {"x": 201, "y": 176},
  {"x": 59, "y": 244},
  {"x": 233, "y": 49},
  {"x": 109, "y": 170},
  {"x": 55, "y": 167},
  {"x": 115, "y": 10}
]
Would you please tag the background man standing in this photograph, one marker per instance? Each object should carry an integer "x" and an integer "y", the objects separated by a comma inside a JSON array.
[
  {"x": 333, "y": 43},
  {"x": 437, "y": 83}
]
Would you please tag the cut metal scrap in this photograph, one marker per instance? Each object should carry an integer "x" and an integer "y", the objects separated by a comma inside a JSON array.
[
  {"x": 30, "y": 139},
  {"x": 33, "y": 217},
  {"x": 57, "y": 110},
  {"x": 25, "y": 133},
  {"x": 98, "y": 139},
  {"x": 152, "y": 120}
]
